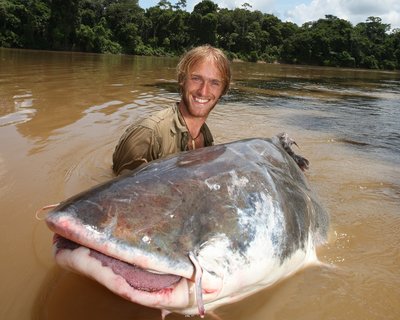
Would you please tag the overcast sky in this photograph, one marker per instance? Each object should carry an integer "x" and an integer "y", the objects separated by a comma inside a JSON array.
[{"x": 299, "y": 11}]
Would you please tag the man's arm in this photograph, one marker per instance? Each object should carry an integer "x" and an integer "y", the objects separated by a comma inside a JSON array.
[{"x": 136, "y": 146}]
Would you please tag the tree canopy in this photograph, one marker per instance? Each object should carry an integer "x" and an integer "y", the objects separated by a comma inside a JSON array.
[{"x": 122, "y": 26}]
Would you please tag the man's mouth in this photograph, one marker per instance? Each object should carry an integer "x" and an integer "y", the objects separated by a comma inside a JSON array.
[{"x": 200, "y": 100}]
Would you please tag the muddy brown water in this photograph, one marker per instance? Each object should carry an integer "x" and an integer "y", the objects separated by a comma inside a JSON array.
[{"x": 61, "y": 115}]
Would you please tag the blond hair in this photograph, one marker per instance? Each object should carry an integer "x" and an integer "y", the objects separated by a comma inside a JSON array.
[{"x": 200, "y": 54}]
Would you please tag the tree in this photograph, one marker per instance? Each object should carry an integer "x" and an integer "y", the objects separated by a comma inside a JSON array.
[
  {"x": 394, "y": 43},
  {"x": 24, "y": 23},
  {"x": 64, "y": 20},
  {"x": 167, "y": 28},
  {"x": 203, "y": 23},
  {"x": 125, "y": 18},
  {"x": 121, "y": 26},
  {"x": 371, "y": 43},
  {"x": 10, "y": 24}
]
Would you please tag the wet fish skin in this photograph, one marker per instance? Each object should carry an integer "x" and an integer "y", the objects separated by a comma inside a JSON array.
[{"x": 244, "y": 209}]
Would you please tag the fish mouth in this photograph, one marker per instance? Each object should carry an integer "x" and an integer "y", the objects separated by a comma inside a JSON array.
[
  {"x": 135, "y": 276},
  {"x": 169, "y": 292},
  {"x": 148, "y": 279}
]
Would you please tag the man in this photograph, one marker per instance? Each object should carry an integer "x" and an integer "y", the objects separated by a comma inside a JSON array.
[{"x": 204, "y": 76}]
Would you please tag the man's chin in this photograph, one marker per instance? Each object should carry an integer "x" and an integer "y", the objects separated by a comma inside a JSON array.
[
  {"x": 199, "y": 113},
  {"x": 200, "y": 110}
]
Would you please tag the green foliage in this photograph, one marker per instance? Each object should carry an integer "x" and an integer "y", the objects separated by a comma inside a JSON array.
[
  {"x": 96, "y": 39},
  {"x": 166, "y": 29},
  {"x": 24, "y": 24},
  {"x": 63, "y": 23},
  {"x": 109, "y": 26},
  {"x": 203, "y": 23}
]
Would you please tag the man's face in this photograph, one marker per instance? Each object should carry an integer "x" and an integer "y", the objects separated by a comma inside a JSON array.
[{"x": 202, "y": 89}]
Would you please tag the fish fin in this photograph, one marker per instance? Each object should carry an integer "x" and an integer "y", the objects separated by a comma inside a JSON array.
[{"x": 286, "y": 143}]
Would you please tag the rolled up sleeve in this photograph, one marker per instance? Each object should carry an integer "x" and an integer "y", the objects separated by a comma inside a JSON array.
[{"x": 136, "y": 146}]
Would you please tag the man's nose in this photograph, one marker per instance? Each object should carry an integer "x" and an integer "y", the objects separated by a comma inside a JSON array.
[{"x": 204, "y": 88}]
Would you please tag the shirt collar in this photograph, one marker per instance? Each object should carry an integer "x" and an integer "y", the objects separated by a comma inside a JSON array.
[{"x": 178, "y": 120}]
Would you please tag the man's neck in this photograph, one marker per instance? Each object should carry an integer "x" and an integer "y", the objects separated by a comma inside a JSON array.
[{"x": 193, "y": 124}]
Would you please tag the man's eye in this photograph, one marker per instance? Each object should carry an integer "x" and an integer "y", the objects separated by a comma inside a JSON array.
[
  {"x": 196, "y": 79},
  {"x": 216, "y": 83}
]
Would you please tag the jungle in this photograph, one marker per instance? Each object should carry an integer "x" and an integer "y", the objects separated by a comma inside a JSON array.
[{"x": 166, "y": 29}]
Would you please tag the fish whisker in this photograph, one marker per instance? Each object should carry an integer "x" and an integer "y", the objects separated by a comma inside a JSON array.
[{"x": 198, "y": 273}]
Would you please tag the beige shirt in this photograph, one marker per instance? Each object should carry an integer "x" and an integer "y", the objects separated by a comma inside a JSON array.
[{"x": 163, "y": 133}]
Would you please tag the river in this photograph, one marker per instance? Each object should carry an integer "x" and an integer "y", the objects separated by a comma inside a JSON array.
[{"x": 61, "y": 115}]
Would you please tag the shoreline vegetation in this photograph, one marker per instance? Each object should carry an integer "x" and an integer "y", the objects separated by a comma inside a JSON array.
[{"x": 123, "y": 27}]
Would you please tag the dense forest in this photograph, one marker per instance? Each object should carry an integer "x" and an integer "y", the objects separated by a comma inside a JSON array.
[{"x": 122, "y": 26}]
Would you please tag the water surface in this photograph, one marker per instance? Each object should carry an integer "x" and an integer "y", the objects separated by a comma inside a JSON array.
[{"x": 61, "y": 115}]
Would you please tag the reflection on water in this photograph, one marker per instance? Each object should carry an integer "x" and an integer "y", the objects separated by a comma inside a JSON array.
[
  {"x": 361, "y": 113},
  {"x": 61, "y": 115}
]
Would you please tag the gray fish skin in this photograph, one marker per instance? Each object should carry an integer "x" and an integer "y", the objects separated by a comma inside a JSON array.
[{"x": 244, "y": 209}]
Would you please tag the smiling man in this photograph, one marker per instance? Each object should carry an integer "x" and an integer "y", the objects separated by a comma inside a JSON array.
[{"x": 204, "y": 76}]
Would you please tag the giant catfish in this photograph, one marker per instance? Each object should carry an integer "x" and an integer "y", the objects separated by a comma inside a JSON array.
[{"x": 196, "y": 230}]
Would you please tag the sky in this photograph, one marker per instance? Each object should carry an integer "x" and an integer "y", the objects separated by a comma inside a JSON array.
[{"x": 301, "y": 11}]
